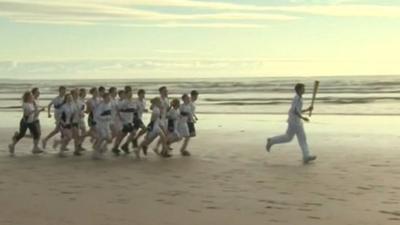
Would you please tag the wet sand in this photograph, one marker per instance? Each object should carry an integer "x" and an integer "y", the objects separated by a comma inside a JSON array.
[{"x": 230, "y": 179}]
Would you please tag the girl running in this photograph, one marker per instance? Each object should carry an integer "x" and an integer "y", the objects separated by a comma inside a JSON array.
[
  {"x": 173, "y": 117},
  {"x": 27, "y": 122},
  {"x": 186, "y": 113},
  {"x": 154, "y": 130},
  {"x": 68, "y": 112}
]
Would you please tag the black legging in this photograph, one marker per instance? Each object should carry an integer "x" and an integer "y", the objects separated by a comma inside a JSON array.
[{"x": 23, "y": 126}]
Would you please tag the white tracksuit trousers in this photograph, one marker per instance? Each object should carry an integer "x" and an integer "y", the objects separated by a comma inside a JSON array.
[{"x": 292, "y": 130}]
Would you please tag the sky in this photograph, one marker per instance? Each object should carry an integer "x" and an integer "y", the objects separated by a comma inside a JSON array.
[{"x": 54, "y": 39}]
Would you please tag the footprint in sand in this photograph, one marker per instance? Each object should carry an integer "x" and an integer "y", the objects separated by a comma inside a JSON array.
[
  {"x": 304, "y": 209},
  {"x": 275, "y": 221},
  {"x": 122, "y": 201},
  {"x": 75, "y": 187},
  {"x": 379, "y": 165},
  {"x": 313, "y": 204},
  {"x": 364, "y": 188},
  {"x": 173, "y": 193},
  {"x": 314, "y": 217},
  {"x": 195, "y": 186},
  {"x": 390, "y": 202},
  {"x": 169, "y": 203},
  {"x": 212, "y": 207},
  {"x": 337, "y": 199},
  {"x": 207, "y": 201},
  {"x": 275, "y": 207},
  {"x": 356, "y": 193},
  {"x": 166, "y": 202},
  {"x": 392, "y": 213},
  {"x": 68, "y": 192},
  {"x": 194, "y": 210},
  {"x": 319, "y": 194}
]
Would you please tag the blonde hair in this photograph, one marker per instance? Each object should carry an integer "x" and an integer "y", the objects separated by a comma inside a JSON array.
[
  {"x": 25, "y": 96},
  {"x": 155, "y": 101}
]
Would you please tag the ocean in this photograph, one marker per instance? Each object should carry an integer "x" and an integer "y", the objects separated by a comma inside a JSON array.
[{"x": 369, "y": 95}]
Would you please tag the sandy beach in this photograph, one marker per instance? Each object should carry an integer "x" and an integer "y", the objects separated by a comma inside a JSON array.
[{"x": 230, "y": 179}]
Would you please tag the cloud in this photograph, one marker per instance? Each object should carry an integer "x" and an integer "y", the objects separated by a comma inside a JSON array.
[
  {"x": 112, "y": 67},
  {"x": 325, "y": 8},
  {"x": 197, "y": 25},
  {"x": 200, "y": 14},
  {"x": 123, "y": 13},
  {"x": 191, "y": 67}
]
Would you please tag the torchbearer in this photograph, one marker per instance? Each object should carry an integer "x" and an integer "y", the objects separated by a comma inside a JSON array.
[{"x": 295, "y": 125}]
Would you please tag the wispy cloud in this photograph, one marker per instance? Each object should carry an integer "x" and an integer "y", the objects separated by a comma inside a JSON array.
[
  {"x": 124, "y": 13},
  {"x": 198, "y": 25},
  {"x": 156, "y": 13},
  {"x": 126, "y": 67},
  {"x": 184, "y": 67}
]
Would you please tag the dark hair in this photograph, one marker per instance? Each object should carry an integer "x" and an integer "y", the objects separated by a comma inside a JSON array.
[
  {"x": 127, "y": 88},
  {"x": 112, "y": 89},
  {"x": 62, "y": 88},
  {"x": 102, "y": 89},
  {"x": 163, "y": 88},
  {"x": 298, "y": 86},
  {"x": 82, "y": 91},
  {"x": 120, "y": 92},
  {"x": 92, "y": 90},
  {"x": 185, "y": 96},
  {"x": 141, "y": 92},
  {"x": 194, "y": 93},
  {"x": 35, "y": 90}
]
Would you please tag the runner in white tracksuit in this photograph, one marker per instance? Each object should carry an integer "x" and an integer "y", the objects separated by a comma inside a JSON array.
[
  {"x": 154, "y": 130},
  {"x": 115, "y": 124},
  {"x": 174, "y": 118},
  {"x": 126, "y": 112},
  {"x": 295, "y": 126},
  {"x": 57, "y": 103},
  {"x": 68, "y": 112},
  {"x": 186, "y": 114},
  {"x": 103, "y": 118},
  {"x": 77, "y": 104},
  {"x": 82, "y": 123},
  {"x": 141, "y": 108}
]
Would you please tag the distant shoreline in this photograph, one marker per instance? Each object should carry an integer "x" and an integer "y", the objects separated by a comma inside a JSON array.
[{"x": 197, "y": 78}]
